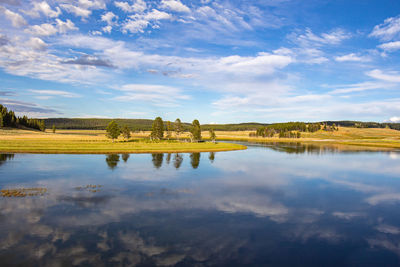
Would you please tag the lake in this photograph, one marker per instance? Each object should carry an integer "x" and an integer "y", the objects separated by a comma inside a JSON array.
[{"x": 269, "y": 205}]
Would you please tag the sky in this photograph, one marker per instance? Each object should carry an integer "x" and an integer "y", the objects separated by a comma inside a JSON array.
[{"x": 215, "y": 61}]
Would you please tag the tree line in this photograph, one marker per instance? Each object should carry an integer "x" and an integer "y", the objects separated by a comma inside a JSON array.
[
  {"x": 286, "y": 130},
  {"x": 160, "y": 130},
  {"x": 9, "y": 119}
]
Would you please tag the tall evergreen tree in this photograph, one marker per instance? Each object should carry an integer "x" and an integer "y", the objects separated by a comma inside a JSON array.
[
  {"x": 178, "y": 127},
  {"x": 126, "y": 132},
  {"x": 169, "y": 130},
  {"x": 212, "y": 135},
  {"x": 113, "y": 130},
  {"x": 196, "y": 130},
  {"x": 157, "y": 130}
]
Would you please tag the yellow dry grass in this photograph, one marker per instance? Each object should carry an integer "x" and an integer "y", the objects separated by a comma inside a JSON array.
[{"x": 89, "y": 141}]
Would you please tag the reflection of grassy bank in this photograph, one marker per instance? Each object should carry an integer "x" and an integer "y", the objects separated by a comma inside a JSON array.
[{"x": 93, "y": 142}]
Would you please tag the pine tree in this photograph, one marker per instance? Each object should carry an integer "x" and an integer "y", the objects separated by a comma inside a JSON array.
[
  {"x": 126, "y": 132},
  {"x": 157, "y": 130},
  {"x": 212, "y": 135},
  {"x": 169, "y": 129},
  {"x": 178, "y": 127},
  {"x": 54, "y": 128},
  {"x": 196, "y": 130},
  {"x": 113, "y": 130},
  {"x": 1, "y": 120}
]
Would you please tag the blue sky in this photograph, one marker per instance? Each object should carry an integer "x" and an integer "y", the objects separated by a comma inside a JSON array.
[{"x": 216, "y": 61}]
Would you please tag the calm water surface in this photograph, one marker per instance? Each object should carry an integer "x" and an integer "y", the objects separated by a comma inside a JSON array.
[{"x": 270, "y": 205}]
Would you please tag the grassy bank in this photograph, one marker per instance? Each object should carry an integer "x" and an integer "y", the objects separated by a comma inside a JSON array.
[
  {"x": 352, "y": 138},
  {"x": 95, "y": 142}
]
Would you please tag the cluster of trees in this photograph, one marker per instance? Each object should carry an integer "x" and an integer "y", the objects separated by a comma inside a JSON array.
[
  {"x": 288, "y": 130},
  {"x": 158, "y": 128},
  {"x": 289, "y": 134},
  {"x": 114, "y": 131},
  {"x": 9, "y": 119},
  {"x": 330, "y": 128}
]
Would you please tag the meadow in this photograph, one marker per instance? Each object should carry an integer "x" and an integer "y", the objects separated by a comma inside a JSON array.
[{"x": 95, "y": 142}]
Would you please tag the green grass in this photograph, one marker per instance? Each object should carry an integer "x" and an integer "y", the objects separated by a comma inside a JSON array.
[{"x": 19, "y": 141}]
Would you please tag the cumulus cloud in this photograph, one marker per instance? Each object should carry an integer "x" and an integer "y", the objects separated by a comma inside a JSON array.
[
  {"x": 109, "y": 17},
  {"x": 174, "y": 5},
  {"x": 45, "y": 9},
  {"x": 138, "y": 23},
  {"x": 84, "y": 7},
  {"x": 16, "y": 19},
  {"x": 36, "y": 43},
  {"x": 76, "y": 10},
  {"x": 47, "y": 29},
  {"x": 388, "y": 30},
  {"x": 138, "y": 6}
]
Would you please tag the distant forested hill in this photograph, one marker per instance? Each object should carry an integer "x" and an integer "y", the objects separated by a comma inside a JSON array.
[
  {"x": 138, "y": 124},
  {"x": 145, "y": 124}
]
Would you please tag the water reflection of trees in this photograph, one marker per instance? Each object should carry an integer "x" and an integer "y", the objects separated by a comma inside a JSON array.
[
  {"x": 157, "y": 159},
  {"x": 178, "y": 159},
  {"x": 125, "y": 157},
  {"x": 211, "y": 157},
  {"x": 112, "y": 161},
  {"x": 5, "y": 157},
  {"x": 300, "y": 148},
  {"x": 195, "y": 160}
]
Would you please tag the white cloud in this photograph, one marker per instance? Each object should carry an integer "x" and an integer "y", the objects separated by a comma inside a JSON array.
[
  {"x": 55, "y": 93},
  {"x": 63, "y": 27},
  {"x": 47, "y": 29},
  {"x": 138, "y": 6},
  {"x": 157, "y": 15},
  {"x": 138, "y": 23},
  {"x": 36, "y": 43},
  {"x": 390, "y": 46},
  {"x": 109, "y": 17},
  {"x": 44, "y": 29},
  {"x": 134, "y": 26},
  {"x": 16, "y": 19},
  {"x": 84, "y": 7},
  {"x": 262, "y": 64},
  {"x": 174, "y": 5},
  {"x": 332, "y": 38},
  {"x": 393, "y": 77},
  {"x": 44, "y": 8},
  {"x": 76, "y": 10},
  {"x": 394, "y": 119},
  {"x": 388, "y": 30},
  {"x": 107, "y": 29},
  {"x": 351, "y": 57},
  {"x": 360, "y": 87}
]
